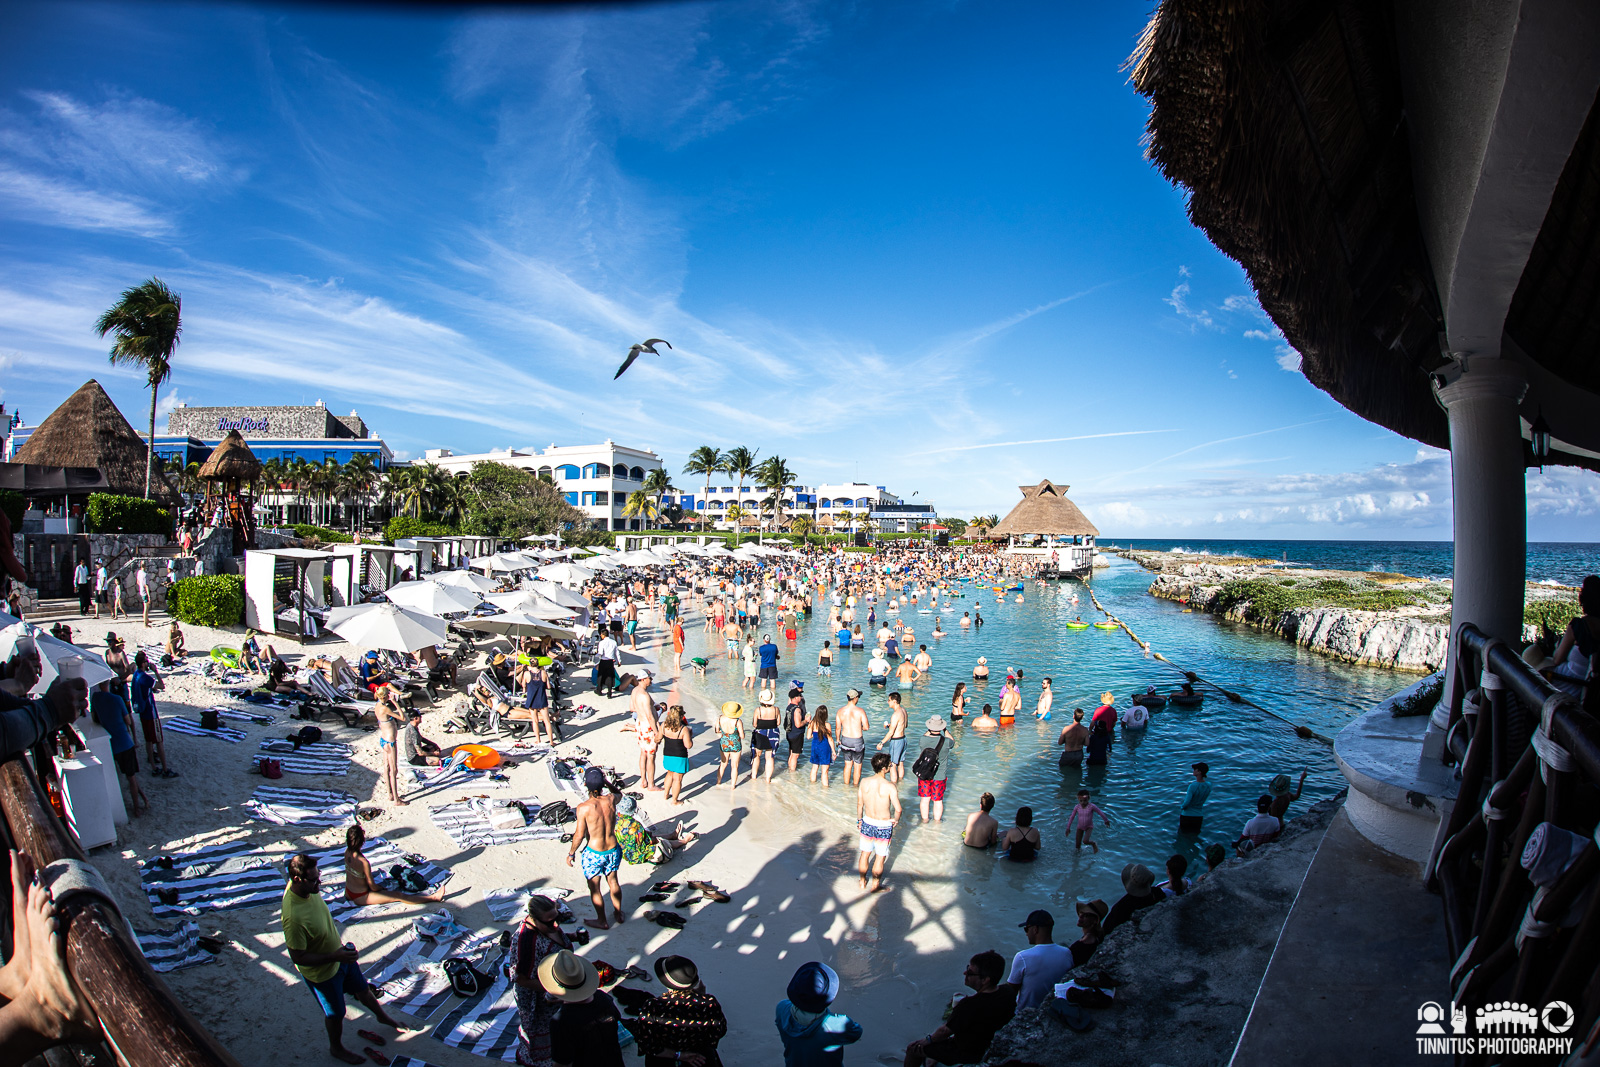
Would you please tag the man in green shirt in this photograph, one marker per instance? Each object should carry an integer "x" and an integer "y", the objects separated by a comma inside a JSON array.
[{"x": 328, "y": 966}]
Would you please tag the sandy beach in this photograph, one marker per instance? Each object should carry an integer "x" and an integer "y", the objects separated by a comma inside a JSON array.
[{"x": 795, "y": 894}]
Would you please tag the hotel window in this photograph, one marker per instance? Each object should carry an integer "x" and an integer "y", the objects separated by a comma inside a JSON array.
[
  {"x": 637, "y": 474},
  {"x": 568, "y": 471},
  {"x": 572, "y": 498}
]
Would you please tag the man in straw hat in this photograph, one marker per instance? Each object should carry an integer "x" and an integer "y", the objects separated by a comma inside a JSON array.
[
  {"x": 877, "y": 812},
  {"x": 584, "y": 1030},
  {"x": 1139, "y": 892},
  {"x": 683, "y": 1024}
]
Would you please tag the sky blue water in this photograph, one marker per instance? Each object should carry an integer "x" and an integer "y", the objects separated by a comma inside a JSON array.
[
  {"x": 1144, "y": 781},
  {"x": 1562, "y": 561}
]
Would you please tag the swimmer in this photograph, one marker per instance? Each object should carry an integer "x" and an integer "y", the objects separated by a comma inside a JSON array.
[
  {"x": 983, "y": 829},
  {"x": 1074, "y": 736},
  {"x": 966, "y": 620},
  {"x": 986, "y": 719},
  {"x": 1046, "y": 697}
]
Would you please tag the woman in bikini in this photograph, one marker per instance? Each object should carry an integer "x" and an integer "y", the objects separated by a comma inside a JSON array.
[
  {"x": 675, "y": 744},
  {"x": 958, "y": 703},
  {"x": 391, "y": 717},
  {"x": 358, "y": 877},
  {"x": 730, "y": 728}
]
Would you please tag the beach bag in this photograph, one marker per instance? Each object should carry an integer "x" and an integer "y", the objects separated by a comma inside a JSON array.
[
  {"x": 271, "y": 768},
  {"x": 465, "y": 980},
  {"x": 210, "y": 720},
  {"x": 408, "y": 879},
  {"x": 557, "y": 812},
  {"x": 308, "y": 735},
  {"x": 927, "y": 765}
]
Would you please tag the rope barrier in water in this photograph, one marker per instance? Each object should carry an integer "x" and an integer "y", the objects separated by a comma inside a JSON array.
[{"x": 1300, "y": 730}]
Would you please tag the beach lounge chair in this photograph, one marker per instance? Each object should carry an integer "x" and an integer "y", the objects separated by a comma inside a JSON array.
[
  {"x": 324, "y": 697},
  {"x": 485, "y": 716}
]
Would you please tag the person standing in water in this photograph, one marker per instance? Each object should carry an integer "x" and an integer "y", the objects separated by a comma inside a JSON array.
[
  {"x": 1082, "y": 816},
  {"x": 821, "y": 743},
  {"x": 1046, "y": 698},
  {"x": 1073, "y": 737},
  {"x": 958, "y": 703},
  {"x": 895, "y": 738},
  {"x": 877, "y": 812},
  {"x": 853, "y": 726}
]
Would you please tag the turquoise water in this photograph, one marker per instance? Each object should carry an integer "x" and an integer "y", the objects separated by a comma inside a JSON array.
[{"x": 1143, "y": 783}]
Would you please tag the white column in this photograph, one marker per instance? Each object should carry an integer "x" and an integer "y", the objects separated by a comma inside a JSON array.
[{"x": 1489, "y": 506}]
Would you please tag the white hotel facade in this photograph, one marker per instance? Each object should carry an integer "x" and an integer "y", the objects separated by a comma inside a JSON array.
[{"x": 597, "y": 479}]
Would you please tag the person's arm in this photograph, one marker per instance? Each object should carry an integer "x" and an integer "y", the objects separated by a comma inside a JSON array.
[
  {"x": 24, "y": 723},
  {"x": 1564, "y": 648},
  {"x": 1298, "y": 789},
  {"x": 580, "y": 835},
  {"x": 895, "y": 796}
]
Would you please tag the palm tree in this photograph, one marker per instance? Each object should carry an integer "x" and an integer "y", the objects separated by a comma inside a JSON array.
[
  {"x": 741, "y": 463},
  {"x": 641, "y": 503},
  {"x": 736, "y": 514},
  {"x": 147, "y": 322},
  {"x": 658, "y": 483},
  {"x": 775, "y": 474},
  {"x": 707, "y": 461},
  {"x": 802, "y": 525},
  {"x": 361, "y": 474}
]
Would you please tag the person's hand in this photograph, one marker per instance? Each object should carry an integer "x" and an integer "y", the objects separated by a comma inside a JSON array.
[
  {"x": 569, "y": 859},
  {"x": 693, "y": 1059},
  {"x": 69, "y": 699},
  {"x": 347, "y": 954}
]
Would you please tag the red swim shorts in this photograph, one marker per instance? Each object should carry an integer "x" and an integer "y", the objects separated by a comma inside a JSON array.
[{"x": 933, "y": 790}]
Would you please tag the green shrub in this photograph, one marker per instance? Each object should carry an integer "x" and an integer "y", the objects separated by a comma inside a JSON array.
[
  {"x": 403, "y": 526},
  {"x": 109, "y": 513},
  {"x": 13, "y": 504},
  {"x": 321, "y": 533},
  {"x": 212, "y": 600},
  {"x": 1553, "y": 614},
  {"x": 1420, "y": 702},
  {"x": 1263, "y": 601}
]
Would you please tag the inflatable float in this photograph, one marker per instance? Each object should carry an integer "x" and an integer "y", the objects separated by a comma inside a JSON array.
[
  {"x": 479, "y": 757},
  {"x": 1150, "y": 700},
  {"x": 1106, "y": 626},
  {"x": 1077, "y": 626},
  {"x": 1187, "y": 700}
]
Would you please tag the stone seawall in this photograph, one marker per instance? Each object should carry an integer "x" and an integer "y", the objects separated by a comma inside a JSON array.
[{"x": 1370, "y": 638}]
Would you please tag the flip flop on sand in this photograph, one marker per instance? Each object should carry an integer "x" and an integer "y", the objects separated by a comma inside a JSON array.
[
  {"x": 375, "y": 1038},
  {"x": 376, "y": 1057},
  {"x": 704, "y": 886},
  {"x": 663, "y": 887},
  {"x": 651, "y": 898},
  {"x": 668, "y": 919},
  {"x": 715, "y": 894}
]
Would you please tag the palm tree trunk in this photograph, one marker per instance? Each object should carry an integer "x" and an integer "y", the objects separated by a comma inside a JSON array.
[{"x": 150, "y": 454}]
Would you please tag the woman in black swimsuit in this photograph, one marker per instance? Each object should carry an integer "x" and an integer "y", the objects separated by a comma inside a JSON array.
[
  {"x": 764, "y": 735},
  {"x": 796, "y": 734}
]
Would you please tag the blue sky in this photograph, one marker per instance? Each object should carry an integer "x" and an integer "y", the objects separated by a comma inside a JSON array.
[{"x": 911, "y": 243}]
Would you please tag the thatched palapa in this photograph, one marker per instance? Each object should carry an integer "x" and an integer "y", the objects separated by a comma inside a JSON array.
[
  {"x": 1045, "y": 510},
  {"x": 88, "y": 430},
  {"x": 231, "y": 461}
]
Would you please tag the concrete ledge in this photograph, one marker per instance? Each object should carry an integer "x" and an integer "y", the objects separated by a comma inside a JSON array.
[{"x": 1396, "y": 797}]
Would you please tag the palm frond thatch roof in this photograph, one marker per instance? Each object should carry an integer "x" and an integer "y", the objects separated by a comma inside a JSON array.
[
  {"x": 88, "y": 430},
  {"x": 1045, "y": 509},
  {"x": 232, "y": 460}
]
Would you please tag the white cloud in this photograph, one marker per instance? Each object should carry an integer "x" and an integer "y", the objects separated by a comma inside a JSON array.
[
  {"x": 1288, "y": 359},
  {"x": 58, "y": 202},
  {"x": 1258, "y": 335}
]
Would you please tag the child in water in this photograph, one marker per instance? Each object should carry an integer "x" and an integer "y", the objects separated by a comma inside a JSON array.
[{"x": 1083, "y": 821}]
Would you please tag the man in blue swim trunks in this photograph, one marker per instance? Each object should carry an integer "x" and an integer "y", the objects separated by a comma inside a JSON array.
[
  {"x": 596, "y": 837},
  {"x": 328, "y": 966}
]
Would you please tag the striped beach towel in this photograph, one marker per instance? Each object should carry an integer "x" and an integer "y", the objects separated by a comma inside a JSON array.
[
  {"x": 508, "y": 904},
  {"x": 408, "y": 1061},
  {"x": 194, "y": 729},
  {"x": 484, "y": 1025},
  {"x": 411, "y": 979},
  {"x": 324, "y": 757},
  {"x": 301, "y": 807},
  {"x": 169, "y": 950},
  {"x": 260, "y": 718},
  {"x": 467, "y": 823},
  {"x": 234, "y": 875}
]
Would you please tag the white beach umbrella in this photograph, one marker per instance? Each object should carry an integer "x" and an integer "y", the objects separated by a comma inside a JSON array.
[
  {"x": 716, "y": 550},
  {"x": 56, "y": 657},
  {"x": 464, "y": 580},
  {"x": 548, "y": 538},
  {"x": 516, "y": 624},
  {"x": 665, "y": 550},
  {"x": 530, "y": 603},
  {"x": 638, "y": 559},
  {"x": 388, "y": 626},
  {"x": 602, "y": 563},
  {"x": 557, "y": 594},
  {"x": 507, "y": 561},
  {"x": 431, "y": 598},
  {"x": 599, "y": 550},
  {"x": 565, "y": 573}
]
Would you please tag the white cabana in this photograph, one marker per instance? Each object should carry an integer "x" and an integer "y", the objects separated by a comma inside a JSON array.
[
  {"x": 433, "y": 598},
  {"x": 526, "y": 602},
  {"x": 387, "y": 626},
  {"x": 716, "y": 550}
]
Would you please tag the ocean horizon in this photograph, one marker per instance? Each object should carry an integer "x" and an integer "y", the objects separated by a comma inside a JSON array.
[{"x": 1564, "y": 562}]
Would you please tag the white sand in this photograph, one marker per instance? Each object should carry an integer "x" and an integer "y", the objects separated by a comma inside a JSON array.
[{"x": 795, "y": 894}]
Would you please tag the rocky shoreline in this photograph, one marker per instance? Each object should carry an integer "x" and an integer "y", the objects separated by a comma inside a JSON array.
[{"x": 1367, "y": 618}]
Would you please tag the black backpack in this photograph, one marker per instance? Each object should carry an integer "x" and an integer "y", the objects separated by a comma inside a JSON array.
[
  {"x": 557, "y": 812},
  {"x": 465, "y": 980},
  {"x": 308, "y": 735},
  {"x": 927, "y": 764},
  {"x": 210, "y": 720}
]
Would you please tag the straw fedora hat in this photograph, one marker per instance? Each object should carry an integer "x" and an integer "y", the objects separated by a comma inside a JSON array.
[
  {"x": 733, "y": 709},
  {"x": 936, "y": 725},
  {"x": 1137, "y": 879},
  {"x": 1107, "y": 698},
  {"x": 677, "y": 972},
  {"x": 568, "y": 977},
  {"x": 1098, "y": 908},
  {"x": 1535, "y": 658},
  {"x": 766, "y": 698}
]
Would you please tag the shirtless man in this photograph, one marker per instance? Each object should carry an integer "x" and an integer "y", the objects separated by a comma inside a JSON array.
[
  {"x": 895, "y": 738},
  {"x": 596, "y": 835},
  {"x": 907, "y": 672},
  {"x": 630, "y": 623},
  {"x": 732, "y": 636},
  {"x": 853, "y": 726},
  {"x": 1073, "y": 737},
  {"x": 923, "y": 662},
  {"x": 647, "y": 729},
  {"x": 1046, "y": 698},
  {"x": 982, "y": 829},
  {"x": 877, "y": 812}
]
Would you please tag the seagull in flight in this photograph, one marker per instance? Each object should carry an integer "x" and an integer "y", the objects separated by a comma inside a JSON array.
[{"x": 633, "y": 354}]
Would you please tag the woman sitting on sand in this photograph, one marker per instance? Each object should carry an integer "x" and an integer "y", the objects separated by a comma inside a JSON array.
[
  {"x": 175, "y": 647},
  {"x": 358, "y": 884}
]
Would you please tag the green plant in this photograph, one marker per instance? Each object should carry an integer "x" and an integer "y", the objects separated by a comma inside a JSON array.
[
  {"x": 321, "y": 533},
  {"x": 109, "y": 513},
  {"x": 212, "y": 600},
  {"x": 1422, "y": 699},
  {"x": 147, "y": 321},
  {"x": 408, "y": 526},
  {"x": 1552, "y": 614},
  {"x": 13, "y": 504},
  {"x": 1262, "y": 601}
]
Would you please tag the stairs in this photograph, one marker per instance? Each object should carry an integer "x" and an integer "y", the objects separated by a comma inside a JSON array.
[{"x": 65, "y": 609}]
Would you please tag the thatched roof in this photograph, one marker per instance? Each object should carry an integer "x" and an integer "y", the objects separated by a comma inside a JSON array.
[
  {"x": 1045, "y": 509},
  {"x": 1288, "y": 124},
  {"x": 88, "y": 430},
  {"x": 232, "y": 460}
]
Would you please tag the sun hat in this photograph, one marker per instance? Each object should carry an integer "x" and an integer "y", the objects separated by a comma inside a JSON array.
[
  {"x": 936, "y": 725},
  {"x": 853, "y": 694},
  {"x": 499, "y": 657},
  {"x": 1037, "y": 917},
  {"x": 1279, "y": 785},
  {"x": 766, "y": 698},
  {"x": 112, "y": 640},
  {"x": 677, "y": 972},
  {"x": 1137, "y": 879},
  {"x": 626, "y": 805},
  {"x": 983, "y": 659},
  {"x": 1098, "y": 908},
  {"x": 813, "y": 987},
  {"x": 732, "y": 709},
  {"x": 1107, "y": 698},
  {"x": 568, "y": 977},
  {"x": 1535, "y": 657}
]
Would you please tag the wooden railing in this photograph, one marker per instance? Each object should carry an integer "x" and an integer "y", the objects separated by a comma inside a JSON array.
[
  {"x": 140, "y": 1018},
  {"x": 1529, "y": 759}
]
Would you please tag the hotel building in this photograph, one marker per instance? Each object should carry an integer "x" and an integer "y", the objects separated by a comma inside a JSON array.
[{"x": 597, "y": 479}]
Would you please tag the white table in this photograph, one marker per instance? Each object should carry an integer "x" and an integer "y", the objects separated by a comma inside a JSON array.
[{"x": 83, "y": 796}]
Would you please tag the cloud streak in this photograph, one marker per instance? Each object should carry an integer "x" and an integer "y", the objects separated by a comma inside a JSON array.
[{"x": 1039, "y": 441}]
